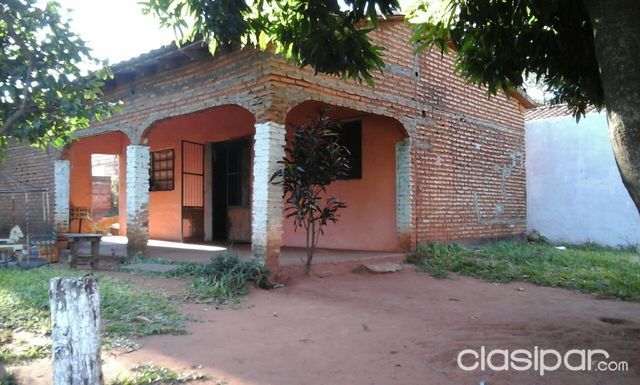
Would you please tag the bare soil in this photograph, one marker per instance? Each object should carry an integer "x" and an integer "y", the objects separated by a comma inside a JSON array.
[{"x": 389, "y": 329}]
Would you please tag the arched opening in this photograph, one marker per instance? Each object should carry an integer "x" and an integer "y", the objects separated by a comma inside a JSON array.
[
  {"x": 97, "y": 194},
  {"x": 200, "y": 184},
  {"x": 370, "y": 221}
]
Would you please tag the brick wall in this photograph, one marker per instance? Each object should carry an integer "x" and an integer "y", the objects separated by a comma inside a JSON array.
[
  {"x": 467, "y": 151},
  {"x": 28, "y": 167}
]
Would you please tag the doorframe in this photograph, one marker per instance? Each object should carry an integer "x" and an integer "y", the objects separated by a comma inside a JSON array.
[
  {"x": 182, "y": 173},
  {"x": 209, "y": 179}
]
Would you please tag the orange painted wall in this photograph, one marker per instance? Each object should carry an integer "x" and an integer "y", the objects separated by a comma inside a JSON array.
[
  {"x": 214, "y": 125},
  {"x": 369, "y": 221},
  {"x": 79, "y": 155}
]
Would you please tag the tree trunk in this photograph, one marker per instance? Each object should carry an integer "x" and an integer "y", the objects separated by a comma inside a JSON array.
[
  {"x": 616, "y": 30},
  {"x": 75, "y": 319}
]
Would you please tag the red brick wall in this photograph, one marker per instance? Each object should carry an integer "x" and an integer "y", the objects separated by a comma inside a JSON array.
[{"x": 468, "y": 150}]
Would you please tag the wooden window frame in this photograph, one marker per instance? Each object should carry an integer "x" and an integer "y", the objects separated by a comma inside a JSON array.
[{"x": 156, "y": 181}]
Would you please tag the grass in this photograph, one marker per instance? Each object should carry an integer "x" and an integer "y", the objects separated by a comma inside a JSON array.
[
  {"x": 33, "y": 352},
  {"x": 9, "y": 379},
  {"x": 149, "y": 374},
  {"x": 126, "y": 311},
  {"x": 224, "y": 278},
  {"x": 591, "y": 268}
]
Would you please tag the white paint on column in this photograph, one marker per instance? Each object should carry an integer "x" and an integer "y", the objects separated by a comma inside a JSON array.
[
  {"x": 266, "y": 236},
  {"x": 138, "y": 159},
  {"x": 403, "y": 186},
  {"x": 62, "y": 172}
]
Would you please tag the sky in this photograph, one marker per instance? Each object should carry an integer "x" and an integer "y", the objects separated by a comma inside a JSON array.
[{"x": 117, "y": 30}]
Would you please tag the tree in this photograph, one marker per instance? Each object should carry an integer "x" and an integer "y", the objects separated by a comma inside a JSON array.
[
  {"x": 44, "y": 95},
  {"x": 321, "y": 33},
  {"x": 313, "y": 160},
  {"x": 584, "y": 51}
]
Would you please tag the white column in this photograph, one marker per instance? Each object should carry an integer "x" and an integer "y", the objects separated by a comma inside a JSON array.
[
  {"x": 266, "y": 236},
  {"x": 61, "y": 177},
  {"x": 138, "y": 159},
  {"x": 404, "y": 192}
]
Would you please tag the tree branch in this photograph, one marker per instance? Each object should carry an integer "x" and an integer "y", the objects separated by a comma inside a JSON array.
[{"x": 31, "y": 64}]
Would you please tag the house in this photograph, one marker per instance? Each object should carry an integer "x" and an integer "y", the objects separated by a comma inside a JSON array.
[
  {"x": 574, "y": 190},
  {"x": 199, "y": 137}
]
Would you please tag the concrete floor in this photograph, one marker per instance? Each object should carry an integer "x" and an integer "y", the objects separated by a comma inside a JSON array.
[{"x": 192, "y": 252}]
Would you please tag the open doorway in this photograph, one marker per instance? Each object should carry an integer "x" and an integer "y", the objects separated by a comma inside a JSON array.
[
  {"x": 104, "y": 192},
  {"x": 231, "y": 212}
]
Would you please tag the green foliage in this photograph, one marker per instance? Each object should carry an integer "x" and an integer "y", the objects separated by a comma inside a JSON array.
[
  {"x": 313, "y": 160},
  {"x": 149, "y": 374},
  {"x": 33, "y": 352},
  {"x": 500, "y": 43},
  {"x": 128, "y": 311},
  {"x": 44, "y": 95},
  {"x": 224, "y": 278},
  {"x": 589, "y": 268},
  {"x": 330, "y": 38},
  {"x": 9, "y": 379}
]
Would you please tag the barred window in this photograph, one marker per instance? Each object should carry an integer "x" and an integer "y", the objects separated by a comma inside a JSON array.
[{"x": 162, "y": 170}]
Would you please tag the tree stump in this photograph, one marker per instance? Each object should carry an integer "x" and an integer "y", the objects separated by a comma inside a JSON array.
[{"x": 75, "y": 319}]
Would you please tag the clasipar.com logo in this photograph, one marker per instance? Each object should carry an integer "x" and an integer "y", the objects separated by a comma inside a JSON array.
[{"x": 539, "y": 360}]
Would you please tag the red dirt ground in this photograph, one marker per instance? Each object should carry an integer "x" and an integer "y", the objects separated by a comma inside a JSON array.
[{"x": 398, "y": 329}]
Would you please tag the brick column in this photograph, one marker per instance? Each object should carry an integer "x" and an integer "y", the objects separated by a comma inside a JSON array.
[
  {"x": 266, "y": 236},
  {"x": 137, "y": 182},
  {"x": 404, "y": 190},
  {"x": 61, "y": 177}
]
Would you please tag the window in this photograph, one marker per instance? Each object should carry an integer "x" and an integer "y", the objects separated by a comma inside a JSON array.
[
  {"x": 351, "y": 138},
  {"x": 162, "y": 165}
]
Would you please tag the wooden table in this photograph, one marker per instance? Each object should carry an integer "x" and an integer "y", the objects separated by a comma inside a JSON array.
[{"x": 74, "y": 242}]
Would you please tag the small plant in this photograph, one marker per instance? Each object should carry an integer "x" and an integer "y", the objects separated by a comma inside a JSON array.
[
  {"x": 225, "y": 277},
  {"x": 313, "y": 160},
  {"x": 149, "y": 374}
]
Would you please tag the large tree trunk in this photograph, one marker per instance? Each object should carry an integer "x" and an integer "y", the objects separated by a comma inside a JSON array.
[
  {"x": 616, "y": 29},
  {"x": 75, "y": 319}
]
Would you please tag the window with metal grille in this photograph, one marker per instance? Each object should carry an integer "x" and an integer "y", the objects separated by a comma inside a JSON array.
[
  {"x": 162, "y": 170},
  {"x": 351, "y": 138}
]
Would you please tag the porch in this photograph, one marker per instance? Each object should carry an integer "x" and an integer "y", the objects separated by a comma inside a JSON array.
[
  {"x": 290, "y": 257},
  {"x": 189, "y": 184}
]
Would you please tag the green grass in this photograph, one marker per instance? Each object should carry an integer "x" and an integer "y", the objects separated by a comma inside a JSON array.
[
  {"x": 126, "y": 311},
  {"x": 9, "y": 379},
  {"x": 591, "y": 268},
  {"x": 224, "y": 278},
  {"x": 32, "y": 353},
  {"x": 149, "y": 374}
]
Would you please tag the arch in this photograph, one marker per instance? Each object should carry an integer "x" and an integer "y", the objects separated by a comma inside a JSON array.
[
  {"x": 179, "y": 135},
  {"x": 91, "y": 135},
  {"x": 372, "y": 219},
  {"x": 195, "y": 109}
]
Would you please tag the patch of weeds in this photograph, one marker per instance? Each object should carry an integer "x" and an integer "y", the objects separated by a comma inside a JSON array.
[
  {"x": 149, "y": 374},
  {"x": 9, "y": 379},
  {"x": 33, "y": 352},
  {"x": 589, "y": 267},
  {"x": 224, "y": 278}
]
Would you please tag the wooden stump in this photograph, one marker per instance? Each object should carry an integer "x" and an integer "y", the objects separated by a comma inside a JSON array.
[{"x": 75, "y": 319}]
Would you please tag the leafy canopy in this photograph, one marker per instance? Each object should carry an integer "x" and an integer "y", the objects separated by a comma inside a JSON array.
[
  {"x": 44, "y": 95},
  {"x": 499, "y": 43},
  {"x": 319, "y": 33}
]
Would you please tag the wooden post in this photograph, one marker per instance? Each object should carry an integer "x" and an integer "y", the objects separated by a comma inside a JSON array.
[{"x": 75, "y": 319}]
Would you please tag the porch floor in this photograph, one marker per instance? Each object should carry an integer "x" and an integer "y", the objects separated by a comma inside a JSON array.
[{"x": 202, "y": 252}]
